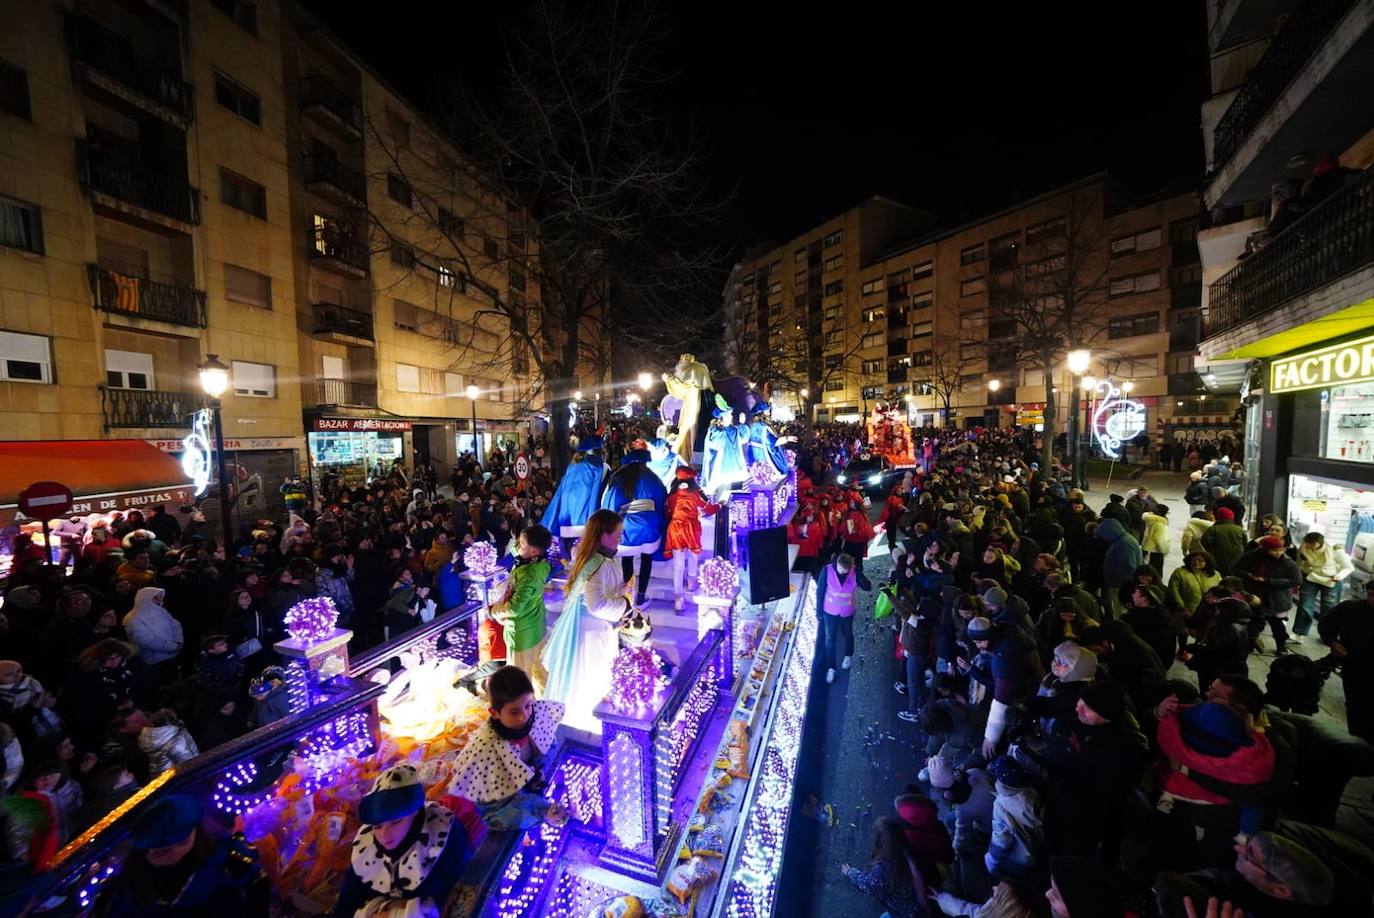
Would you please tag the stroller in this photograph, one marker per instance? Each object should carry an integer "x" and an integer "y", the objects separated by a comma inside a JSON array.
[{"x": 1295, "y": 682}]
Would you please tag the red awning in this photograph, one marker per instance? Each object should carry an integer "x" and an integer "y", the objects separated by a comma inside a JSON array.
[{"x": 103, "y": 474}]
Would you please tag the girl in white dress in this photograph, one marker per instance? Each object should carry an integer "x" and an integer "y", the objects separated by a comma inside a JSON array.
[{"x": 583, "y": 643}]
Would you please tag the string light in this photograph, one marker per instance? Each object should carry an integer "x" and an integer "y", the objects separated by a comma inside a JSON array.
[
  {"x": 762, "y": 474},
  {"x": 227, "y": 796},
  {"x": 480, "y": 558},
  {"x": 719, "y": 577},
  {"x": 312, "y": 620},
  {"x": 625, "y": 761},
  {"x": 637, "y": 680}
]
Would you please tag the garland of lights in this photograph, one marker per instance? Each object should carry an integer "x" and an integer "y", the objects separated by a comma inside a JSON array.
[
  {"x": 762, "y": 474},
  {"x": 227, "y": 795},
  {"x": 480, "y": 558},
  {"x": 719, "y": 578},
  {"x": 312, "y": 620},
  {"x": 637, "y": 680}
]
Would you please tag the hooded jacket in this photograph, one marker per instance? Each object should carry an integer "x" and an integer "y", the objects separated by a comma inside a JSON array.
[
  {"x": 1193, "y": 530},
  {"x": 152, "y": 628},
  {"x": 1252, "y": 764},
  {"x": 165, "y": 746},
  {"x": 1186, "y": 586},
  {"x": 1018, "y": 830},
  {"x": 1123, "y": 552},
  {"x": 634, "y": 482},
  {"x": 1156, "y": 533},
  {"x": 1280, "y": 575}
]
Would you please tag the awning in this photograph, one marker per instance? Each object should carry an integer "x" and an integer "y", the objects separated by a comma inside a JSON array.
[{"x": 104, "y": 475}]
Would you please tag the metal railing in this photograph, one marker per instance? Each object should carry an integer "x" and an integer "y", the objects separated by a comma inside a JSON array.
[
  {"x": 101, "y": 171},
  {"x": 137, "y": 294},
  {"x": 333, "y": 319},
  {"x": 145, "y": 408},
  {"x": 321, "y": 167},
  {"x": 113, "y": 55},
  {"x": 331, "y": 242},
  {"x": 1334, "y": 238},
  {"x": 317, "y": 91},
  {"x": 339, "y": 392},
  {"x": 1308, "y": 26}
]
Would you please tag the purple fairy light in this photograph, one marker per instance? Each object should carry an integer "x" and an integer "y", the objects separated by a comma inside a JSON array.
[
  {"x": 312, "y": 620},
  {"x": 480, "y": 558},
  {"x": 719, "y": 578},
  {"x": 636, "y": 680},
  {"x": 761, "y": 473}
]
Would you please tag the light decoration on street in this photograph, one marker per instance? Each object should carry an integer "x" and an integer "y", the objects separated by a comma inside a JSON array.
[
  {"x": 1117, "y": 419},
  {"x": 675, "y": 740},
  {"x": 627, "y": 817},
  {"x": 195, "y": 452},
  {"x": 719, "y": 578},
  {"x": 312, "y": 620},
  {"x": 480, "y": 558},
  {"x": 637, "y": 680},
  {"x": 229, "y": 795},
  {"x": 326, "y": 751}
]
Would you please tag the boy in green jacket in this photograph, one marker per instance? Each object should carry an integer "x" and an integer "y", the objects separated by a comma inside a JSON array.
[{"x": 521, "y": 609}]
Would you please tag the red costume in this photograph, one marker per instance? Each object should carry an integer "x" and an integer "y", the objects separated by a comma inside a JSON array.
[{"x": 686, "y": 506}]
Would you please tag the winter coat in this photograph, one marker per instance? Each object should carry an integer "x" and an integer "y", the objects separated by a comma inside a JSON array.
[
  {"x": 1130, "y": 661},
  {"x": 1086, "y": 602},
  {"x": 1123, "y": 553},
  {"x": 1197, "y": 494},
  {"x": 1091, "y": 771},
  {"x": 1156, "y": 533},
  {"x": 165, "y": 746},
  {"x": 337, "y": 587},
  {"x": 274, "y": 707},
  {"x": 1281, "y": 577},
  {"x": 1224, "y": 642},
  {"x": 1187, "y": 586},
  {"x": 1325, "y": 566},
  {"x": 1153, "y": 625},
  {"x": 152, "y": 628},
  {"x": 1193, "y": 530},
  {"x": 1225, "y": 542},
  {"x": 1073, "y": 525},
  {"x": 1018, "y": 831},
  {"x": 809, "y": 537},
  {"x": 1252, "y": 764}
]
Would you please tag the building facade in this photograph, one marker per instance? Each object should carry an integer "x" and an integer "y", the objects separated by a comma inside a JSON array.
[
  {"x": 1288, "y": 253},
  {"x": 185, "y": 179}
]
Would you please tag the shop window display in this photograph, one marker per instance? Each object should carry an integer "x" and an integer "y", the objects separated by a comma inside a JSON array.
[{"x": 1348, "y": 423}]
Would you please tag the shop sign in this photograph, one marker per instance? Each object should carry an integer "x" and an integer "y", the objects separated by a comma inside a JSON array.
[
  {"x": 1338, "y": 364},
  {"x": 383, "y": 425},
  {"x": 235, "y": 443},
  {"x": 1028, "y": 417},
  {"x": 1316, "y": 506}
]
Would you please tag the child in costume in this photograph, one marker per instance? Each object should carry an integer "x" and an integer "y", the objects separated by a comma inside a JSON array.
[
  {"x": 521, "y": 609},
  {"x": 498, "y": 769},
  {"x": 686, "y": 507},
  {"x": 723, "y": 461}
]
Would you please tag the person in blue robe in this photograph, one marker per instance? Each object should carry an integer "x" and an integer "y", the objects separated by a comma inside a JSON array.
[
  {"x": 663, "y": 459},
  {"x": 762, "y": 445},
  {"x": 580, "y": 490},
  {"x": 635, "y": 492},
  {"x": 723, "y": 463}
]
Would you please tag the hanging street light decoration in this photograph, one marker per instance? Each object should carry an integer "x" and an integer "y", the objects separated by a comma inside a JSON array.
[{"x": 1117, "y": 419}]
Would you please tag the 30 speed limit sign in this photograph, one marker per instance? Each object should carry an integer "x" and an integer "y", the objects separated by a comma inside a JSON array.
[{"x": 522, "y": 466}]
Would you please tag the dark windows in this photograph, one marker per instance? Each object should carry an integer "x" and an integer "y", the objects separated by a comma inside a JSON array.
[
  {"x": 1048, "y": 229},
  {"x": 450, "y": 224},
  {"x": 242, "y": 193},
  {"x": 833, "y": 288},
  {"x": 398, "y": 190},
  {"x": 971, "y": 255},
  {"x": 14, "y": 90},
  {"x": 1144, "y": 323},
  {"x": 238, "y": 98},
  {"x": 402, "y": 255},
  {"x": 21, "y": 225},
  {"x": 243, "y": 12},
  {"x": 249, "y": 287}
]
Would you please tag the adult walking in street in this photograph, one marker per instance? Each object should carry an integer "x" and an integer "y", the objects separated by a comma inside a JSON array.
[
  {"x": 837, "y": 599},
  {"x": 1349, "y": 629}
]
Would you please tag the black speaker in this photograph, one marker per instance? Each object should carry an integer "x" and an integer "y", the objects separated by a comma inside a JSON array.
[{"x": 767, "y": 568}]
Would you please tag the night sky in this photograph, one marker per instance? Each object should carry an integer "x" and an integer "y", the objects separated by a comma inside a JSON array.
[{"x": 807, "y": 111}]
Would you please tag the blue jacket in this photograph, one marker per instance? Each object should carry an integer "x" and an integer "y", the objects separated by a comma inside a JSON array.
[
  {"x": 1123, "y": 553},
  {"x": 576, "y": 498},
  {"x": 634, "y": 480}
]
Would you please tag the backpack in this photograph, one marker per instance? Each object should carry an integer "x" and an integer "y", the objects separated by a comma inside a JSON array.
[{"x": 1295, "y": 682}]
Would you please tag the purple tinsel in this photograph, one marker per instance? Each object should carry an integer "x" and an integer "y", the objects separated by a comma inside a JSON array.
[
  {"x": 555, "y": 547},
  {"x": 480, "y": 558},
  {"x": 636, "y": 679},
  {"x": 761, "y": 473},
  {"x": 312, "y": 620},
  {"x": 719, "y": 578}
]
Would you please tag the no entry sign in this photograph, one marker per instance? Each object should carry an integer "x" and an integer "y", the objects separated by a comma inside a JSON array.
[{"x": 45, "y": 500}]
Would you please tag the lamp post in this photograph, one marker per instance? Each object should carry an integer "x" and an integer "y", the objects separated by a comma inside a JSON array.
[
  {"x": 472, "y": 393},
  {"x": 596, "y": 410},
  {"x": 1089, "y": 403},
  {"x": 645, "y": 381},
  {"x": 1078, "y": 362},
  {"x": 214, "y": 379}
]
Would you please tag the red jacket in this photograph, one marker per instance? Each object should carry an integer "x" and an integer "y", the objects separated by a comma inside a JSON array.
[
  {"x": 863, "y": 529},
  {"x": 812, "y": 541},
  {"x": 1253, "y": 764}
]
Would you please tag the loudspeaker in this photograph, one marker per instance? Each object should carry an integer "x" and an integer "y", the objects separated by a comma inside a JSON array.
[{"x": 767, "y": 566}]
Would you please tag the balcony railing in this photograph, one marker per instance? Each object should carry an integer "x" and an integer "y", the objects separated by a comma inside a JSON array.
[
  {"x": 360, "y": 394},
  {"x": 336, "y": 109},
  {"x": 144, "y": 408},
  {"x": 1334, "y": 238},
  {"x": 324, "y": 172},
  {"x": 331, "y": 319},
  {"x": 101, "y": 171},
  {"x": 333, "y": 248},
  {"x": 1307, "y": 27},
  {"x": 112, "y": 54},
  {"x": 132, "y": 293}
]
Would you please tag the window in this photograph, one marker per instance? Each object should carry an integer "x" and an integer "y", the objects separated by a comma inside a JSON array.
[
  {"x": 1049, "y": 229},
  {"x": 407, "y": 315},
  {"x": 872, "y": 393},
  {"x": 14, "y": 90},
  {"x": 775, "y": 288},
  {"x": 833, "y": 288},
  {"x": 1137, "y": 242},
  {"x": 972, "y": 255},
  {"x": 1181, "y": 231},
  {"x": 834, "y": 313},
  {"x": 1181, "y": 363},
  {"x": 1046, "y": 266},
  {"x": 398, "y": 190},
  {"x": 973, "y": 351},
  {"x": 128, "y": 370},
  {"x": 973, "y": 286},
  {"x": 799, "y": 279},
  {"x": 242, "y": 193},
  {"x": 21, "y": 225},
  {"x": 834, "y": 361},
  {"x": 1139, "y": 367},
  {"x": 1001, "y": 328},
  {"x": 256, "y": 380},
  {"x": 834, "y": 238},
  {"x": 1145, "y": 323},
  {"x": 921, "y": 272},
  {"x": 407, "y": 378},
  {"x": 248, "y": 287},
  {"x": 971, "y": 324},
  {"x": 243, "y": 12},
  {"x": 333, "y": 367},
  {"x": 453, "y": 385},
  {"x": 400, "y": 129},
  {"x": 874, "y": 367},
  {"x": 834, "y": 263},
  {"x": 775, "y": 267},
  {"x": 445, "y": 276},
  {"x": 872, "y": 339},
  {"x": 1190, "y": 276},
  {"x": 450, "y": 224},
  {"x": 490, "y": 248},
  {"x": 748, "y": 279},
  {"x": 402, "y": 255},
  {"x": 25, "y": 358},
  {"x": 874, "y": 315},
  {"x": 798, "y": 256},
  {"x": 924, "y": 301},
  {"x": 922, "y": 329},
  {"x": 1134, "y": 283},
  {"x": 872, "y": 286},
  {"x": 834, "y": 385},
  {"x": 238, "y": 98},
  {"x": 922, "y": 358}
]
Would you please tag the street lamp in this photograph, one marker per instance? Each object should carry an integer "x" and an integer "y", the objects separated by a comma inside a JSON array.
[
  {"x": 214, "y": 379},
  {"x": 577, "y": 396},
  {"x": 596, "y": 410},
  {"x": 994, "y": 384},
  {"x": 1078, "y": 362},
  {"x": 1127, "y": 386},
  {"x": 472, "y": 393},
  {"x": 645, "y": 381}
]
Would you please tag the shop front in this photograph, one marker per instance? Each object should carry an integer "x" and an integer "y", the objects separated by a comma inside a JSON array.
[
  {"x": 257, "y": 469},
  {"x": 354, "y": 451}
]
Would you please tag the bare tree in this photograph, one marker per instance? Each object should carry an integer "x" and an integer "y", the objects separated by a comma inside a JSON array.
[
  {"x": 943, "y": 375},
  {"x": 1053, "y": 299},
  {"x": 566, "y": 217}
]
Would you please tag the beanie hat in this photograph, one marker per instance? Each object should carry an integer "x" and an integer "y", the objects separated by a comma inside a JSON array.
[
  {"x": 1269, "y": 543},
  {"x": 1006, "y": 770},
  {"x": 1081, "y": 662},
  {"x": 979, "y": 629},
  {"x": 1224, "y": 515},
  {"x": 166, "y": 822},
  {"x": 1089, "y": 890},
  {"x": 940, "y": 772},
  {"x": 1212, "y": 729},
  {"x": 397, "y": 792},
  {"x": 1107, "y": 698},
  {"x": 995, "y": 596}
]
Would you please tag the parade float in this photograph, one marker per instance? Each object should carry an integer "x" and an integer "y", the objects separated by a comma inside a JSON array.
[{"x": 889, "y": 435}]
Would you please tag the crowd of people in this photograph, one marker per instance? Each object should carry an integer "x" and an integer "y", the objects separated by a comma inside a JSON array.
[{"x": 1089, "y": 737}]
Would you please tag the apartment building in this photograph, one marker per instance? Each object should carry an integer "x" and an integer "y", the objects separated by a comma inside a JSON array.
[
  {"x": 184, "y": 179},
  {"x": 920, "y": 319},
  {"x": 1287, "y": 250}
]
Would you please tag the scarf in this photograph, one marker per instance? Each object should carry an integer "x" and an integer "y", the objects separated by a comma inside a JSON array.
[{"x": 519, "y": 733}]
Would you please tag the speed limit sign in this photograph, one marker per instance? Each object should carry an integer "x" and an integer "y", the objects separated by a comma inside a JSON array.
[{"x": 522, "y": 466}]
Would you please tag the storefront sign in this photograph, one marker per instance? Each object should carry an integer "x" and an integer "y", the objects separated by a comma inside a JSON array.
[
  {"x": 384, "y": 425},
  {"x": 1030, "y": 417},
  {"x": 1316, "y": 506},
  {"x": 1329, "y": 366},
  {"x": 174, "y": 497},
  {"x": 237, "y": 443}
]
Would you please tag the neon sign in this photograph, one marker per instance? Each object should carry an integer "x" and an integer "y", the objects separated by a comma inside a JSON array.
[
  {"x": 195, "y": 455},
  {"x": 1117, "y": 420}
]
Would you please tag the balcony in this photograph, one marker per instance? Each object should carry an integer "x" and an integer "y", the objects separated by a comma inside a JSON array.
[
  {"x": 1184, "y": 253},
  {"x": 899, "y": 375},
  {"x": 125, "y": 184},
  {"x": 1185, "y": 296},
  {"x": 143, "y": 408},
  {"x": 333, "y": 181},
  {"x": 338, "y": 323},
  {"x": 1301, "y": 96},
  {"x": 897, "y": 319},
  {"x": 1002, "y": 261},
  {"x": 331, "y": 107},
  {"x": 1241, "y": 21},
  {"x": 347, "y": 392},
  {"x": 896, "y": 347},
  {"x": 1334, "y": 238},
  {"x": 897, "y": 293},
  {"x": 108, "y": 61},
  {"x": 133, "y": 294},
  {"x": 336, "y": 251}
]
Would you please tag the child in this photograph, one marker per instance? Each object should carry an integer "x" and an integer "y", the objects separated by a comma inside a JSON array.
[
  {"x": 270, "y": 699},
  {"x": 498, "y": 769},
  {"x": 522, "y": 609},
  {"x": 217, "y": 668},
  {"x": 165, "y": 742},
  {"x": 686, "y": 507},
  {"x": 1018, "y": 830}
]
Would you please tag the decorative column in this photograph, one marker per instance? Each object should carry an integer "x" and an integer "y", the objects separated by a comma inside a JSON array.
[
  {"x": 315, "y": 652},
  {"x": 482, "y": 575},
  {"x": 716, "y": 609}
]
